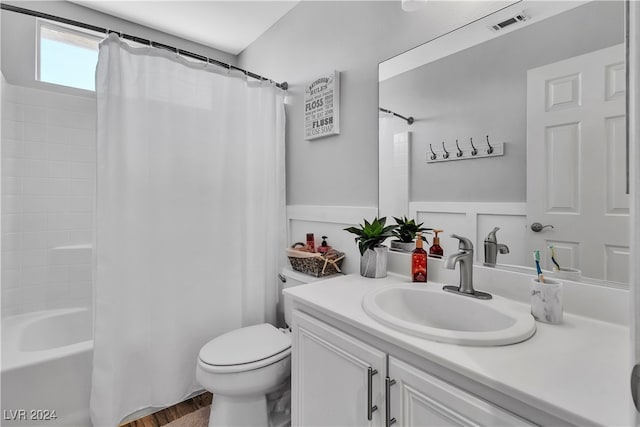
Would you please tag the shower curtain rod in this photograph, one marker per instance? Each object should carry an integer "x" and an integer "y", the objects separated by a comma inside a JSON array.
[
  {"x": 409, "y": 119},
  {"x": 283, "y": 85}
]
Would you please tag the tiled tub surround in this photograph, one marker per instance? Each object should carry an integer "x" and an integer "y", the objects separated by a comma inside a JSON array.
[{"x": 48, "y": 187}]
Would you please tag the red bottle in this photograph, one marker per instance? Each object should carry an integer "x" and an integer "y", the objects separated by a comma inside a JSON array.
[
  {"x": 419, "y": 261},
  {"x": 311, "y": 242}
]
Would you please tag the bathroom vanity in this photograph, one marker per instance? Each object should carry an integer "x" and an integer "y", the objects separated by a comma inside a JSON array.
[{"x": 349, "y": 369}]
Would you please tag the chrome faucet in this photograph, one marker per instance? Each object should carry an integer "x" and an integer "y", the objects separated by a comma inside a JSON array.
[
  {"x": 492, "y": 247},
  {"x": 465, "y": 258}
]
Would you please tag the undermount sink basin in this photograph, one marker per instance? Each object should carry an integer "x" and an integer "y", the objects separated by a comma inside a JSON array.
[{"x": 431, "y": 313}]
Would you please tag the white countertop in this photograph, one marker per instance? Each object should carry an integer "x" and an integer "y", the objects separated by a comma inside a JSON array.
[{"x": 577, "y": 371}]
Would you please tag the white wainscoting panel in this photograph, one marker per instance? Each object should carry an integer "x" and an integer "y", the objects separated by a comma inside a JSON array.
[
  {"x": 330, "y": 221},
  {"x": 474, "y": 221}
]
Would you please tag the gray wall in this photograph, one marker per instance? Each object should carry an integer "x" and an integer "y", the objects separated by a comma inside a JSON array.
[
  {"x": 18, "y": 60},
  {"x": 482, "y": 91},
  {"x": 351, "y": 37}
]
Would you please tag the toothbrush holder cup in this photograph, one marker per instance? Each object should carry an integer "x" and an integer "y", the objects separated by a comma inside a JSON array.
[{"x": 546, "y": 300}]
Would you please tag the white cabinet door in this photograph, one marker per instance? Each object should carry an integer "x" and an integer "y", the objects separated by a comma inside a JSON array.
[
  {"x": 419, "y": 399},
  {"x": 330, "y": 377}
]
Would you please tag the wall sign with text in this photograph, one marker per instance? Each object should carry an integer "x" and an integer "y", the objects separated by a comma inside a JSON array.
[{"x": 322, "y": 106}]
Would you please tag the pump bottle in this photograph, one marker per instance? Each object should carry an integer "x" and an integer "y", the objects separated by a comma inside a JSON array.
[
  {"x": 436, "y": 250},
  {"x": 419, "y": 261}
]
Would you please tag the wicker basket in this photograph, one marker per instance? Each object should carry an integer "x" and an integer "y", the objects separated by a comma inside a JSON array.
[{"x": 314, "y": 264}]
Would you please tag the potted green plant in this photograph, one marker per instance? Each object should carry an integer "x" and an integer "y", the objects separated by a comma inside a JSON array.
[
  {"x": 405, "y": 234},
  {"x": 373, "y": 254}
]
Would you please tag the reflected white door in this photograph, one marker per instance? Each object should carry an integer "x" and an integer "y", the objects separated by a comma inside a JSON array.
[{"x": 576, "y": 163}]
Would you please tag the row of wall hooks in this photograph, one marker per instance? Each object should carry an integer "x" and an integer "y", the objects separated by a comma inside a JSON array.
[{"x": 464, "y": 153}]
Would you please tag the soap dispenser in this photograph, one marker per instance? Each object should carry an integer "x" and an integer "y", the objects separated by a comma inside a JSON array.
[
  {"x": 436, "y": 250},
  {"x": 419, "y": 261},
  {"x": 324, "y": 246}
]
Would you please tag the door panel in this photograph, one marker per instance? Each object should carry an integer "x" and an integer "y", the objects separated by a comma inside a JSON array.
[
  {"x": 562, "y": 153},
  {"x": 616, "y": 177}
]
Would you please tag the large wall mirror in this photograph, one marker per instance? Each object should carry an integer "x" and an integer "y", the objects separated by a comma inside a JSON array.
[{"x": 530, "y": 105}]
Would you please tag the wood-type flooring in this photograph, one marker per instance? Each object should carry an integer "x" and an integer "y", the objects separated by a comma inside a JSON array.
[{"x": 172, "y": 413}]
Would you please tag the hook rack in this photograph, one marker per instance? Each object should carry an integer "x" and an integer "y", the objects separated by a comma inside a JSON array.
[{"x": 464, "y": 153}]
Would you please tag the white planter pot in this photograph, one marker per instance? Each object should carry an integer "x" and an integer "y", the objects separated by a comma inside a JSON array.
[
  {"x": 402, "y": 246},
  {"x": 373, "y": 263}
]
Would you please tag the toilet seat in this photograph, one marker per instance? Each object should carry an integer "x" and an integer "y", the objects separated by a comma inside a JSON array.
[{"x": 245, "y": 349}]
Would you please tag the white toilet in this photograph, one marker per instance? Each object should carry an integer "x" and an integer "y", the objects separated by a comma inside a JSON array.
[{"x": 242, "y": 366}]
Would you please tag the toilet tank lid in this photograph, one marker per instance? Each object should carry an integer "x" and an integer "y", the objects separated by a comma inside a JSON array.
[
  {"x": 301, "y": 277},
  {"x": 245, "y": 345}
]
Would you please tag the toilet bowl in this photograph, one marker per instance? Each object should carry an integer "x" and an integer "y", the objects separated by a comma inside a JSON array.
[{"x": 242, "y": 366}]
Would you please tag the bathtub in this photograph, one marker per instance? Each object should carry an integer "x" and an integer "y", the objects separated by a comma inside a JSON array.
[{"x": 46, "y": 367}]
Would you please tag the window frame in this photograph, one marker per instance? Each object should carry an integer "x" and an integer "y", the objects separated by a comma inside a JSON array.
[{"x": 56, "y": 26}]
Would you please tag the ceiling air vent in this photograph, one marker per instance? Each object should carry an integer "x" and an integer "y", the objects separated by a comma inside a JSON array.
[{"x": 521, "y": 17}]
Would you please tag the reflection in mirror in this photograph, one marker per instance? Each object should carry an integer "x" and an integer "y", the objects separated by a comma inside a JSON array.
[{"x": 550, "y": 91}]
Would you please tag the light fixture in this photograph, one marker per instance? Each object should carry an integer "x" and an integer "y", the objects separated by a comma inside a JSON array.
[{"x": 412, "y": 5}]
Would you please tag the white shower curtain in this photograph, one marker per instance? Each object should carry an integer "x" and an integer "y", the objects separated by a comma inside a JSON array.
[{"x": 190, "y": 220}]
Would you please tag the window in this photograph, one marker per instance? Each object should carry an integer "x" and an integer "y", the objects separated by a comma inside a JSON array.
[{"x": 66, "y": 56}]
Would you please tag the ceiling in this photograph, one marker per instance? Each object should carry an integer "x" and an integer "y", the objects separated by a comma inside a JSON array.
[{"x": 229, "y": 26}]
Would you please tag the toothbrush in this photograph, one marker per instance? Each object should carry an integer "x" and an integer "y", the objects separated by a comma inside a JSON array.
[
  {"x": 536, "y": 258},
  {"x": 553, "y": 257}
]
